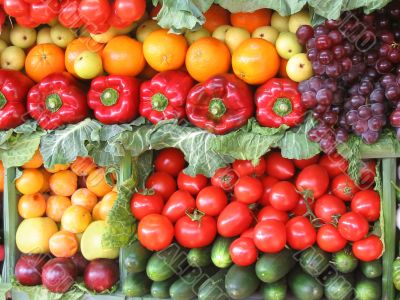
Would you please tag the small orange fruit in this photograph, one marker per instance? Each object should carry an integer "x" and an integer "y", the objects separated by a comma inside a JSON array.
[
  {"x": 46, "y": 182},
  {"x": 64, "y": 183},
  {"x": 82, "y": 166},
  {"x": 56, "y": 206},
  {"x": 75, "y": 219},
  {"x": 165, "y": 51},
  {"x": 32, "y": 206},
  {"x": 103, "y": 208},
  {"x": 96, "y": 182},
  {"x": 207, "y": 57},
  {"x": 215, "y": 17},
  {"x": 85, "y": 198},
  {"x": 30, "y": 182},
  {"x": 252, "y": 20},
  {"x": 255, "y": 61},
  {"x": 35, "y": 162},
  {"x": 63, "y": 244},
  {"x": 58, "y": 167}
]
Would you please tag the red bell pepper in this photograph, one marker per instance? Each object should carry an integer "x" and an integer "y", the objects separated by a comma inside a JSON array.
[
  {"x": 14, "y": 87},
  {"x": 114, "y": 98},
  {"x": 57, "y": 100},
  {"x": 164, "y": 96},
  {"x": 278, "y": 102},
  {"x": 220, "y": 104}
]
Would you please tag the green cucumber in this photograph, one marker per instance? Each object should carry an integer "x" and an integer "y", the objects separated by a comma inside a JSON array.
[
  {"x": 241, "y": 282},
  {"x": 338, "y": 287},
  {"x": 214, "y": 287},
  {"x": 372, "y": 269},
  {"x": 368, "y": 289},
  {"x": 396, "y": 273},
  {"x": 136, "y": 257},
  {"x": 344, "y": 261},
  {"x": 273, "y": 266},
  {"x": 304, "y": 286},
  {"x": 314, "y": 261},
  {"x": 160, "y": 289},
  {"x": 136, "y": 285},
  {"x": 274, "y": 291},
  {"x": 165, "y": 263},
  {"x": 220, "y": 252},
  {"x": 199, "y": 257}
]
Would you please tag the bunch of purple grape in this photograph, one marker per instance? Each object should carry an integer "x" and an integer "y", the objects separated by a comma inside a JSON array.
[{"x": 356, "y": 62}]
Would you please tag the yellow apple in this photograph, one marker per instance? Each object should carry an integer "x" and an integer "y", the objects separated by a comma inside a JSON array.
[
  {"x": 43, "y": 36},
  {"x": 3, "y": 45},
  {"x": 23, "y": 37},
  {"x": 220, "y": 32},
  {"x": 299, "y": 68},
  {"x": 127, "y": 29},
  {"x": 104, "y": 37},
  {"x": 267, "y": 33},
  {"x": 298, "y": 19},
  {"x": 192, "y": 36},
  {"x": 13, "y": 58},
  {"x": 145, "y": 29},
  {"x": 88, "y": 65},
  {"x": 279, "y": 22},
  {"x": 62, "y": 36},
  {"x": 235, "y": 36},
  {"x": 287, "y": 45}
]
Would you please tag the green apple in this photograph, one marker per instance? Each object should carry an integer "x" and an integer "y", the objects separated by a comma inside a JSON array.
[
  {"x": 3, "y": 45},
  {"x": 279, "y": 22},
  {"x": 287, "y": 45},
  {"x": 235, "y": 36},
  {"x": 5, "y": 33},
  {"x": 105, "y": 36},
  {"x": 220, "y": 32},
  {"x": 88, "y": 65},
  {"x": 192, "y": 36},
  {"x": 12, "y": 58},
  {"x": 62, "y": 36},
  {"x": 298, "y": 19},
  {"x": 145, "y": 29},
  {"x": 299, "y": 68},
  {"x": 43, "y": 36},
  {"x": 267, "y": 33},
  {"x": 22, "y": 37}
]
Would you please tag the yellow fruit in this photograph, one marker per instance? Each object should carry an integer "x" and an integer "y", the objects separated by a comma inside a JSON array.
[
  {"x": 31, "y": 206},
  {"x": 75, "y": 219},
  {"x": 103, "y": 208},
  {"x": 63, "y": 244},
  {"x": 30, "y": 182},
  {"x": 96, "y": 182},
  {"x": 64, "y": 183},
  {"x": 35, "y": 162},
  {"x": 57, "y": 167},
  {"x": 85, "y": 198},
  {"x": 46, "y": 182},
  {"x": 56, "y": 206},
  {"x": 82, "y": 166},
  {"x": 33, "y": 235}
]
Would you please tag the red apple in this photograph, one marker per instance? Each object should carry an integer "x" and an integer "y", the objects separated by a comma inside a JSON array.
[
  {"x": 28, "y": 269},
  {"x": 59, "y": 274},
  {"x": 101, "y": 274}
]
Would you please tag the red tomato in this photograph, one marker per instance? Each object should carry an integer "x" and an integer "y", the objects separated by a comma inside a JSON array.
[
  {"x": 234, "y": 219},
  {"x": 44, "y": 12},
  {"x": 329, "y": 239},
  {"x": 68, "y": 15},
  {"x": 16, "y": 8},
  {"x": 94, "y": 11},
  {"x": 248, "y": 189},
  {"x": 302, "y": 163},
  {"x": 301, "y": 207},
  {"x": 162, "y": 183},
  {"x": 367, "y": 174},
  {"x": 26, "y": 21},
  {"x": 278, "y": 166},
  {"x": 284, "y": 196},
  {"x": 178, "y": 204},
  {"x": 129, "y": 10},
  {"x": 328, "y": 206},
  {"x": 300, "y": 233},
  {"x": 334, "y": 164},
  {"x": 170, "y": 160},
  {"x": 211, "y": 200},
  {"x": 353, "y": 226},
  {"x": 367, "y": 203},
  {"x": 267, "y": 182},
  {"x": 343, "y": 186},
  {"x": 155, "y": 232},
  {"x": 271, "y": 213},
  {"x": 225, "y": 178},
  {"x": 248, "y": 233},
  {"x": 196, "y": 232},
  {"x": 192, "y": 184},
  {"x": 368, "y": 249},
  {"x": 246, "y": 167},
  {"x": 243, "y": 251},
  {"x": 116, "y": 21},
  {"x": 146, "y": 204},
  {"x": 270, "y": 236},
  {"x": 313, "y": 178}
]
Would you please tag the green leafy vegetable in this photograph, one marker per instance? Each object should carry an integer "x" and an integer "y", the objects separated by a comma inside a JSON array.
[
  {"x": 39, "y": 292},
  {"x": 284, "y": 7},
  {"x": 351, "y": 151}
]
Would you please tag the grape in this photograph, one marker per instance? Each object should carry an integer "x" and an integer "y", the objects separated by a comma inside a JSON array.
[
  {"x": 364, "y": 112},
  {"x": 321, "y": 30},
  {"x": 308, "y": 99},
  {"x": 356, "y": 101},
  {"x": 341, "y": 136},
  {"x": 332, "y": 24},
  {"x": 325, "y": 57},
  {"x": 371, "y": 58},
  {"x": 370, "y": 137},
  {"x": 315, "y": 83},
  {"x": 310, "y": 43},
  {"x": 333, "y": 70},
  {"x": 378, "y": 109},
  {"x": 313, "y": 135},
  {"x": 303, "y": 86},
  {"x": 346, "y": 64},
  {"x": 336, "y": 37},
  {"x": 330, "y": 118},
  {"x": 318, "y": 68},
  {"x": 348, "y": 48},
  {"x": 339, "y": 52},
  {"x": 393, "y": 93},
  {"x": 324, "y": 96},
  {"x": 304, "y": 33},
  {"x": 365, "y": 88},
  {"x": 388, "y": 80},
  {"x": 312, "y": 54},
  {"x": 394, "y": 55},
  {"x": 323, "y": 42},
  {"x": 351, "y": 117},
  {"x": 374, "y": 124},
  {"x": 384, "y": 50},
  {"x": 387, "y": 37},
  {"x": 357, "y": 58},
  {"x": 360, "y": 126},
  {"x": 383, "y": 66}
]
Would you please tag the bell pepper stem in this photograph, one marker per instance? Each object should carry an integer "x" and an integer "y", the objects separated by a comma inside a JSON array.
[
  {"x": 217, "y": 108},
  {"x": 3, "y": 100},
  {"x": 109, "y": 97},
  {"x": 159, "y": 102},
  {"x": 53, "y": 102},
  {"x": 282, "y": 107}
]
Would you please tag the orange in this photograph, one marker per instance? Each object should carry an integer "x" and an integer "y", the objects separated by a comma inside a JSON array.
[
  {"x": 31, "y": 206},
  {"x": 56, "y": 205},
  {"x": 76, "y": 47},
  {"x": 252, "y": 20},
  {"x": 46, "y": 182},
  {"x": 35, "y": 162},
  {"x": 103, "y": 207},
  {"x": 76, "y": 219},
  {"x": 215, "y": 17},
  {"x": 96, "y": 182},
  {"x": 57, "y": 167},
  {"x": 63, "y": 244},
  {"x": 30, "y": 182},
  {"x": 64, "y": 183},
  {"x": 1, "y": 176},
  {"x": 255, "y": 61},
  {"x": 164, "y": 51},
  {"x": 82, "y": 166},
  {"x": 123, "y": 56},
  {"x": 85, "y": 198},
  {"x": 282, "y": 68},
  {"x": 207, "y": 57},
  {"x": 43, "y": 60}
]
